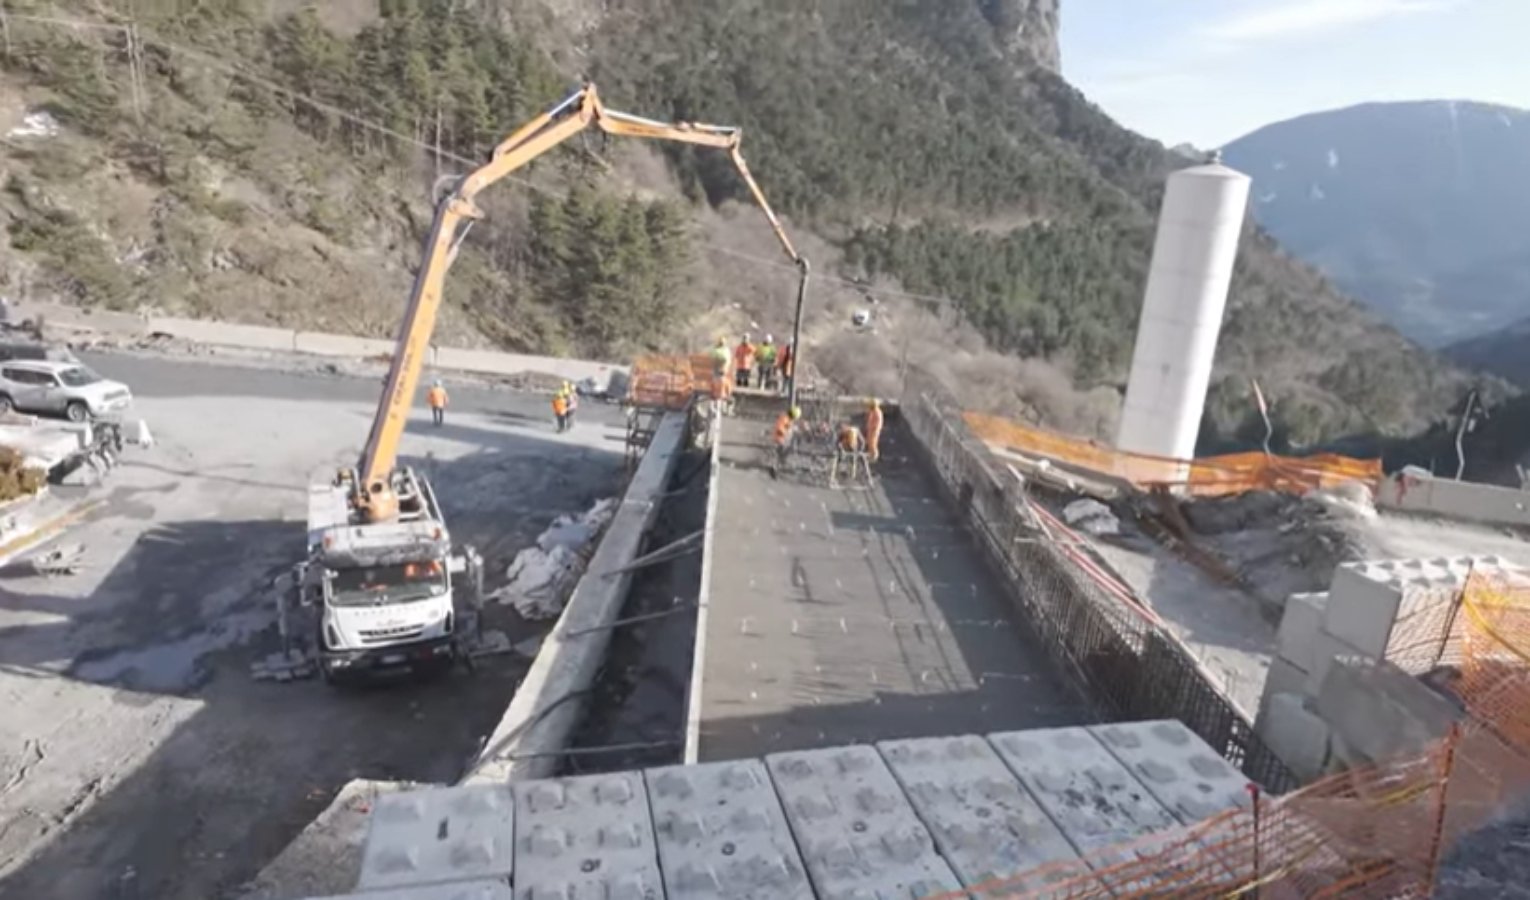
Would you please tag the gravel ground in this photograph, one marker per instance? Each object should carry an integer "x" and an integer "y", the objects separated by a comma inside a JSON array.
[{"x": 137, "y": 757}]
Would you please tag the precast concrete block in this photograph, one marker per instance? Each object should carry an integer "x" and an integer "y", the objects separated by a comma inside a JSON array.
[
  {"x": 1363, "y": 602},
  {"x": 986, "y": 824},
  {"x": 1095, "y": 800},
  {"x": 858, "y": 834},
  {"x": 1325, "y": 649},
  {"x": 1298, "y": 736},
  {"x": 439, "y": 835},
  {"x": 721, "y": 834},
  {"x": 1184, "y": 774},
  {"x": 1283, "y": 677},
  {"x": 1380, "y": 711},
  {"x": 1299, "y": 624},
  {"x": 589, "y": 836},
  {"x": 458, "y": 890}
]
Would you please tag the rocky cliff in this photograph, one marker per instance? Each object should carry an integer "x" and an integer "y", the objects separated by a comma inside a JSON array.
[{"x": 1028, "y": 25}]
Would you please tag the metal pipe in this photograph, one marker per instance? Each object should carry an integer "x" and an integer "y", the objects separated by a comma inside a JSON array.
[
  {"x": 1466, "y": 420},
  {"x": 802, "y": 285}
]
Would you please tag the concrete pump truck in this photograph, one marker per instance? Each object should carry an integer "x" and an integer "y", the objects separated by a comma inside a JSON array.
[{"x": 382, "y": 587}]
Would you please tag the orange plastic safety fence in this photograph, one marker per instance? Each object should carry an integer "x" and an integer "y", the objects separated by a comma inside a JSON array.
[
  {"x": 1379, "y": 831},
  {"x": 669, "y": 382},
  {"x": 1214, "y": 476}
]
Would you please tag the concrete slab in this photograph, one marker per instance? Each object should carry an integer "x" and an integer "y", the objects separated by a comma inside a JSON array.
[
  {"x": 1176, "y": 767},
  {"x": 838, "y": 616},
  {"x": 590, "y": 836},
  {"x": 722, "y": 834},
  {"x": 859, "y": 836},
  {"x": 431, "y": 836},
  {"x": 478, "y": 890},
  {"x": 1095, "y": 801},
  {"x": 985, "y": 823}
]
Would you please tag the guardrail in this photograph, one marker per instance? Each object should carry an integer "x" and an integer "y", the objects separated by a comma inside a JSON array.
[{"x": 1131, "y": 667}]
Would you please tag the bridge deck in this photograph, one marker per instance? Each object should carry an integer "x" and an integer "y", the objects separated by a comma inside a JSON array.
[{"x": 856, "y": 615}]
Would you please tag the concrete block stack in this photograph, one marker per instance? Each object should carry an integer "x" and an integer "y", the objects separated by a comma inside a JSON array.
[{"x": 1373, "y": 612}]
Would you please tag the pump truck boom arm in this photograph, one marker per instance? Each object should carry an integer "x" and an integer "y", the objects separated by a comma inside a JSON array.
[{"x": 374, "y": 493}]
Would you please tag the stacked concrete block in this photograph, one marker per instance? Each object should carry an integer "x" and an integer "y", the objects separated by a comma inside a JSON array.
[
  {"x": 1374, "y": 611},
  {"x": 1297, "y": 735}
]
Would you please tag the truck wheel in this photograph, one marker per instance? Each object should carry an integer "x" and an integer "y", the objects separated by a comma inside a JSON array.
[
  {"x": 6, "y": 404},
  {"x": 77, "y": 411}
]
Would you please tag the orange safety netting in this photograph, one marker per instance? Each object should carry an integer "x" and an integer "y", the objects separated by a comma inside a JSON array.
[
  {"x": 1377, "y": 831},
  {"x": 1210, "y": 477},
  {"x": 669, "y": 382}
]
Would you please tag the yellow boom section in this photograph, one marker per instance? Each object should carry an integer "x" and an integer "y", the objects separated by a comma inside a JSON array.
[{"x": 456, "y": 212}]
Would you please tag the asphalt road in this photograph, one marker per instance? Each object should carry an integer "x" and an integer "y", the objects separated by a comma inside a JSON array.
[{"x": 137, "y": 757}]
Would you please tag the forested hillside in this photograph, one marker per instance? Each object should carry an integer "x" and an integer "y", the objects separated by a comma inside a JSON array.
[{"x": 914, "y": 144}]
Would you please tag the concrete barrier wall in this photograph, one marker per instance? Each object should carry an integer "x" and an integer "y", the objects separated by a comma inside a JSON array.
[
  {"x": 223, "y": 334},
  {"x": 605, "y": 377},
  {"x": 575, "y": 370},
  {"x": 322, "y": 344},
  {"x": 1416, "y": 490}
]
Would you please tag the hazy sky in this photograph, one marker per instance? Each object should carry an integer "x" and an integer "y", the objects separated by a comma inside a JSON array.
[{"x": 1210, "y": 71}]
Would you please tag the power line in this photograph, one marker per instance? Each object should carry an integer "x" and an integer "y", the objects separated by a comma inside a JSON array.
[{"x": 140, "y": 38}]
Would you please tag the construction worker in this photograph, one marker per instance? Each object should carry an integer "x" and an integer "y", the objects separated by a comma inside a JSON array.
[
  {"x": 765, "y": 363},
  {"x": 849, "y": 446},
  {"x": 874, "y": 429},
  {"x": 437, "y": 399},
  {"x": 720, "y": 356},
  {"x": 571, "y": 402},
  {"x": 786, "y": 424},
  {"x": 785, "y": 361},
  {"x": 560, "y": 410},
  {"x": 743, "y": 361}
]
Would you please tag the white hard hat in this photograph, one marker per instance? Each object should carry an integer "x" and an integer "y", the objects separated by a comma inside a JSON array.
[{"x": 769, "y": 339}]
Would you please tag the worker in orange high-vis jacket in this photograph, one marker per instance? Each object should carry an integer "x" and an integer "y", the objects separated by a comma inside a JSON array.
[
  {"x": 560, "y": 410},
  {"x": 743, "y": 361},
  {"x": 786, "y": 425},
  {"x": 874, "y": 429},
  {"x": 437, "y": 399}
]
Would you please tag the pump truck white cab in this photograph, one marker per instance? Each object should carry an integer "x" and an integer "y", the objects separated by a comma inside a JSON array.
[
  {"x": 381, "y": 588},
  {"x": 389, "y": 596}
]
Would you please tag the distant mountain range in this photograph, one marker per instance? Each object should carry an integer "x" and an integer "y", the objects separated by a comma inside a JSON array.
[{"x": 1421, "y": 210}]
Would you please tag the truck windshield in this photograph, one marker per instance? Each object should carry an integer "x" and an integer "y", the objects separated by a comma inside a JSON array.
[{"x": 382, "y": 585}]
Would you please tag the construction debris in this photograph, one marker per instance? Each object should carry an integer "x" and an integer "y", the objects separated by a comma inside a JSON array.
[
  {"x": 63, "y": 560},
  {"x": 289, "y": 666},
  {"x": 541, "y": 576},
  {"x": 1091, "y": 516}
]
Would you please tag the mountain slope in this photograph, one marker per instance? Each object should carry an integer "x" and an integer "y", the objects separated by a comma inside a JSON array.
[
  {"x": 962, "y": 168},
  {"x": 921, "y": 143},
  {"x": 1505, "y": 352},
  {"x": 1422, "y": 210}
]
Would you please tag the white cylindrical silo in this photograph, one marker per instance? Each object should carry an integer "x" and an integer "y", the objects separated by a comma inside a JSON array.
[{"x": 1193, "y": 257}]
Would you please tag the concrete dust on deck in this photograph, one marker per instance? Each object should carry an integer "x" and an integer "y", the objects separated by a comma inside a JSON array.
[{"x": 857, "y": 615}]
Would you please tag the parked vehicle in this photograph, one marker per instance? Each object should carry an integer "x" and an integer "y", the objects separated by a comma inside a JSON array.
[{"x": 59, "y": 387}]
